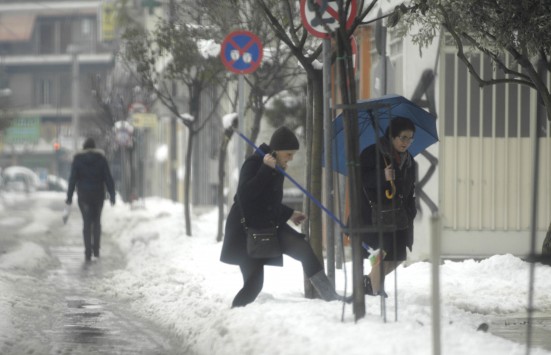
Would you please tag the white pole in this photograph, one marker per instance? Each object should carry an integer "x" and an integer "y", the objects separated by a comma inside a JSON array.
[{"x": 435, "y": 259}]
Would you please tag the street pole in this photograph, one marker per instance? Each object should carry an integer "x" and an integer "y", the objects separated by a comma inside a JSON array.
[
  {"x": 436, "y": 251},
  {"x": 241, "y": 119},
  {"x": 328, "y": 172},
  {"x": 75, "y": 97},
  {"x": 173, "y": 130}
]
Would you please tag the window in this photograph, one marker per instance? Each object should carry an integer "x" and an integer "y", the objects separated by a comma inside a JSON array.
[
  {"x": 46, "y": 37},
  {"x": 501, "y": 110},
  {"x": 44, "y": 94},
  {"x": 394, "y": 65}
]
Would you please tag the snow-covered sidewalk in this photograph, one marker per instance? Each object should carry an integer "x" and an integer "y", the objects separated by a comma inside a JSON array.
[{"x": 179, "y": 282}]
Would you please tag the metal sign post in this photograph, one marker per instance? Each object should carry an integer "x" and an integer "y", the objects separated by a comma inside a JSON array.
[{"x": 241, "y": 53}]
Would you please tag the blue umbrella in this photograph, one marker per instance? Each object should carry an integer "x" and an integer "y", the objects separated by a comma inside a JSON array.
[{"x": 384, "y": 108}]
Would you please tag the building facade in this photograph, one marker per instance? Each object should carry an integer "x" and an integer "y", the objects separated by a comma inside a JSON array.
[
  {"x": 478, "y": 178},
  {"x": 49, "y": 53}
]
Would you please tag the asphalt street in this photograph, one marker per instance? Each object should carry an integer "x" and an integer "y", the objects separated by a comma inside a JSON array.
[{"x": 57, "y": 308}]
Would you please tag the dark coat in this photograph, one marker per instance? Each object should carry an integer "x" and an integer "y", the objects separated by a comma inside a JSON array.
[
  {"x": 260, "y": 191},
  {"x": 90, "y": 172},
  {"x": 405, "y": 187}
]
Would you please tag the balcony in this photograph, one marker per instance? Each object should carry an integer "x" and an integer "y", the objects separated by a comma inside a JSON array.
[{"x": 84, "y": 59}]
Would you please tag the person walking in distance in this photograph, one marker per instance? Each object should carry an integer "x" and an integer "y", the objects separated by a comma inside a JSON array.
[{"x": 90, "y": 175}]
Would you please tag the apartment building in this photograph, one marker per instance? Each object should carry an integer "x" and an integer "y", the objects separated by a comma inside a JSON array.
[{"x": 49, "y": 53}]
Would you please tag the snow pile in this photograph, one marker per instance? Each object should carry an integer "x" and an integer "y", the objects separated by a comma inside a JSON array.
[
  {"x": 228, "y": 119},
  {"x": 208, "y": 48},
  {"x": 179, "y": 282},
  {"x": 27, "y": 256}
]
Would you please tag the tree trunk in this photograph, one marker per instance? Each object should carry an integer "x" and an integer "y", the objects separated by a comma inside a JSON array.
[
  {"x": 314, "y": 144},
  {"x": 316, "y": 233},
  {"x": 187, "y": 183},
  {"x": 194, "y": 89},
  {"x": 258, "y": 112},
  {"x": 546, "y": 249},
  {"x": 348, "y": 93},
  {"x": 221, "y": 177},
  {"x": 309, "y": 291}
]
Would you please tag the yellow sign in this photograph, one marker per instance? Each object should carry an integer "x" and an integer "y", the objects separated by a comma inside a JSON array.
[
  {"x": 108, "y": 21},
  {"x": 146, "y": 120}
]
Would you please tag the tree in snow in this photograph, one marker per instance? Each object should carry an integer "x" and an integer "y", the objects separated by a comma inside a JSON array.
[
  {"x": 286, "y": 22},
  {"x": 519, "y": 29},
  {"x": 277, "y": 72},
  {"x": 284, "y": 18},
  {"x": 180, "y": 50},
  {"x": 113, "y": 96}
]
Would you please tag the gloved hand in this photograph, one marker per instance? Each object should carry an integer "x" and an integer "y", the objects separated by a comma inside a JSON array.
[
  {"x": 112, "y": 200},
  {"x": 68, "y": 202}
]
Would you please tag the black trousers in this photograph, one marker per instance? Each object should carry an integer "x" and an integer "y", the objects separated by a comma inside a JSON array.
[
  {"x": 91, "y": 204},
  {"x": 292, "y": 244}
]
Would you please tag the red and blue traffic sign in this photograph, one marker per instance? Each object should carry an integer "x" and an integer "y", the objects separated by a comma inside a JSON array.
[
  {"x": 320, "y": 17},
  {"x": 241, "y": 52}
]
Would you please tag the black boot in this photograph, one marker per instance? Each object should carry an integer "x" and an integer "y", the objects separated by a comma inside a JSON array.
[{"x": 326, "y": 291}]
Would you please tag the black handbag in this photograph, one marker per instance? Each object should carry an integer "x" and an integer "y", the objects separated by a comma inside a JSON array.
[
  {"x": 261, "y": 242},
  {"x": 390, "y": 215},
  {"x": 390, "y": 218}
]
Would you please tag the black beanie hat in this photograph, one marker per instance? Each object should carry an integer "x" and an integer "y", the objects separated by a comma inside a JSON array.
[
  {"x": 284, "y": 139},
  {"x": 89, "y": 143}
]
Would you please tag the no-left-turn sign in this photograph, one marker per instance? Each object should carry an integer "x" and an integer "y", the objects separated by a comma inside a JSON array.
[{"x": 321, "y": 17}]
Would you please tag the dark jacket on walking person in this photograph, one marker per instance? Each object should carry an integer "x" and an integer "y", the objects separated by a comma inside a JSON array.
[
  {"x": 396, "y": 167},
  {"x": 260, "y": 194},
  {"x": 91, "y": 176}
]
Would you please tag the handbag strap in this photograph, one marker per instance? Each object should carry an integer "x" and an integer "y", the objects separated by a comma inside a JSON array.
[{"x": 242, "y": 220}]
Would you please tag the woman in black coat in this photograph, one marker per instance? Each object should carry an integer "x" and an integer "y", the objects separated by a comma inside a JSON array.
[
  {"x": 260, "y": 194},
  {"x": 396, "y": 167}
]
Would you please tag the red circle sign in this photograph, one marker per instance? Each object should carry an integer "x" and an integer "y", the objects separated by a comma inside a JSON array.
[
  {"x": 326, "y": 17},
  {"x": 241, "y": 52}
]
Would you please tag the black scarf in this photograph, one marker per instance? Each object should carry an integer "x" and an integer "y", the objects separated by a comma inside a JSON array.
[{"x": 392, "y": 155}]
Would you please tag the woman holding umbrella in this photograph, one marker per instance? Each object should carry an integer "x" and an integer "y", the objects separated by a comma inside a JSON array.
[{"x": 389, "y": 179}]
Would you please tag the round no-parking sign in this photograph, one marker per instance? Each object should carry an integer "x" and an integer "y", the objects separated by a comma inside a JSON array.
[{"x": 241, "y": 52}]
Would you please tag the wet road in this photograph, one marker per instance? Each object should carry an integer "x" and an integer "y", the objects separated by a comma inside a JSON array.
[{"x": 56, "y": 308}]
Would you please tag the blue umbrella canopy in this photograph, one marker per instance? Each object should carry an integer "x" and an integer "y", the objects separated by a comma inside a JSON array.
[{"x": 384, "y": 109}]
